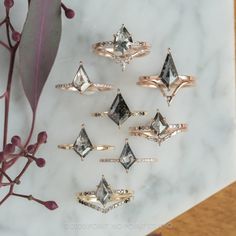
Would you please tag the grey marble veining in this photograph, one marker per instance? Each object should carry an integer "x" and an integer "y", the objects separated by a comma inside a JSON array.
[{"x": 192, "y": 165}]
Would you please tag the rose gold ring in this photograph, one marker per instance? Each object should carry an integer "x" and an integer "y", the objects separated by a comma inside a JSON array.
[
  {"x": 122, "y": 49},
  {"x": 158, "y": 130},
  {"x": 127, "y": 158},
  {"x": 169, "y": 81},
  {"x": 105, "y": 198},
  {"x": 82, "y": 84},
  {"x": 83, "y": 146},
  {"x": 119, "y": 111}
]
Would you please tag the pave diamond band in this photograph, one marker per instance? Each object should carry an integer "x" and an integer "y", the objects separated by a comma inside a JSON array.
[
  {"x": 169, "y": 82},
  {"x": 105, "y": 198},
  {"x": 127, "y": 158},
  {"x": 158, "y": 130},
  {"x": 82, "y": 84},
  {"x": 83, "y": 146},
  {"x": 122, "y": 49},
  {"x": 91, "y": 89}
]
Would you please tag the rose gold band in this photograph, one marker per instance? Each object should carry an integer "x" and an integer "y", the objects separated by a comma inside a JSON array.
[
  {"x": 91, "y": 88},
  {"x": 154, "y": 81},
  {"x": 106, "y": 49},
  {"x": 147, "y": 132}
]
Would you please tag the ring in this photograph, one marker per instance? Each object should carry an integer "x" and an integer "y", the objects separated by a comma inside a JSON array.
[
  {"x": 83, "y": 146},
  {"x": 105, "y": 198},
  {"x": 158, "y": 130},
  {"x": 82, "y": 84},
  {"x": 127, "y": 158},
  {"x": 169, "y": 81},
  {"x": 122, "y": 49},
  {"x": 119, "y": 111}
]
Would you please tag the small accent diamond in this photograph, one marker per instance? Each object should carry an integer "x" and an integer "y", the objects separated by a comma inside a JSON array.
[{"x": 83, "y": 145}]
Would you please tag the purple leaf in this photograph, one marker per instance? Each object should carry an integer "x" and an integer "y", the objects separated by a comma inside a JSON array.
[{"x": 38, "y": 47}]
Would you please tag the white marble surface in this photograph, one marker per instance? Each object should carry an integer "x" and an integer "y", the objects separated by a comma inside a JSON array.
[{"x": 192, "y": 165}]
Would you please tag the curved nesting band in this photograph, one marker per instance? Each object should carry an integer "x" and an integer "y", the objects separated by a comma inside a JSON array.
[
  {"x": 104, "y": 198},
  {"x": 107, "y": 49},
  {"x": 154, "y": 81},
  {"x": 117, "y": 198},
  {"x": 150, "y": 134}
]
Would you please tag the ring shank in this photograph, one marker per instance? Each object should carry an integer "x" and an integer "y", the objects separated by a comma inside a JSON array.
[
  {"x": 107, "y": 49},
  {"x": 92, "y": 88},
  {"x": 154, "y": 81}
]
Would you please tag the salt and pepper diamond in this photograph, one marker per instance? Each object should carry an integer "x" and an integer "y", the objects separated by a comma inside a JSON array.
[
  {"x": 122, "y": 40},
  {"x": 103, "y": 192},
  {"x": 83, "y": 145},
  {"x": 127, "y": 157},
  {"x": 119, "y": 111},
  {"x": 169, "y": 72},
  {"x": 81, "y": 80},
  {"x": 159, "y": 124}
]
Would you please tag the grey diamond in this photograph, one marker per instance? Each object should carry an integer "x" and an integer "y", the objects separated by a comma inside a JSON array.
[
  {"x": 127, "y": 157},
  {"x": 83, "y": 145},
  {"x": 119, "y": 111},
  {"x": 169, "y": 72},
  {"x": 103, "y": 192},
  {"x": 122, "y": 40},
  {"x": 159, "y": 124},
  {"x": 81, "y": 80}
]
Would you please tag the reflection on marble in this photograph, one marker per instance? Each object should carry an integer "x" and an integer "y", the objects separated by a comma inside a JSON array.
[{"x": 192, "y": 165}]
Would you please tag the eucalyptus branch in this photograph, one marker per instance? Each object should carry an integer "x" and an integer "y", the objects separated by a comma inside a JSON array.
[{"x": 13, "y": 150}]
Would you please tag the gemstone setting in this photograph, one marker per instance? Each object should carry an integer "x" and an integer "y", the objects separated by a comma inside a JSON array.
[
  {"x": 122, "y": 40},
  {"x": 83, "y": 145},
  {"x": 127, "y": 157},
  {"x": 103, "y": 192},
  {"x": 159, "y": 124},
  {"x": 81, "y": 80},
  {"x": 169, "y": 72},
  {"x": 119, "y": 111}
]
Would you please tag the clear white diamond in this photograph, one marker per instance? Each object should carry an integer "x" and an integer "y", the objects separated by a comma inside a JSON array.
[
  {"x": 122, "y": 40},
  {"x": 81, "y": 80}
]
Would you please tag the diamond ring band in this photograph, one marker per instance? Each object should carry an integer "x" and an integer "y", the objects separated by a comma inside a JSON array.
[
  {"x": 122, "y": 49},
  {"x": 82, "y": 84},
  {"x": 158, "y": 130},
  {"x": 127, "y": 158},
  {"x": 105, "y": 198},
  {"x": 169, "y": 81},
  {"x": 83, "y": 146}
]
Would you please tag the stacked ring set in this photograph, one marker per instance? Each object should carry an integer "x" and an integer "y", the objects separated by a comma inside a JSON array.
[{"x": 122, "y": 50}]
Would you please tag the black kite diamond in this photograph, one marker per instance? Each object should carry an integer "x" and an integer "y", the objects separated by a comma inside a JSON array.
[
  {"x": 169, "y": 72},
  {"x": 119, "y": 111}
]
